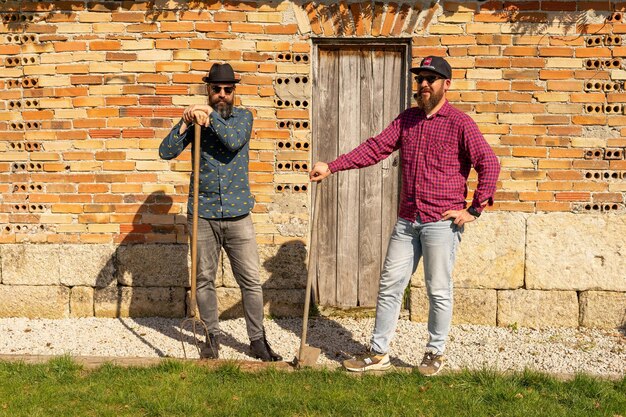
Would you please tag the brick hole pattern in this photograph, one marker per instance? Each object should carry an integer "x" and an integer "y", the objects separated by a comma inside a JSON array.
[
  {"x": 296, "y": 188},
  {"x": 296, "y": 80},
  {"x": 25, "y": 188},
  {"x": 26, "y": 166},
  {"x": 287, "y": 103},
  {"x": 293, "y": 166},
  {"x": 27, "y": 146},
  {"x": 287, "y": 145},
  {"x": 293, "y": 124}
]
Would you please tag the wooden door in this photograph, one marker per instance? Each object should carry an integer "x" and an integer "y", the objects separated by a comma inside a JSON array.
[{"x": 357, "y": 91}]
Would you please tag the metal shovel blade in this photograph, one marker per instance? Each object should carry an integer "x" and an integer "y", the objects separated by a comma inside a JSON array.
[{"x": 307, "y": 356}]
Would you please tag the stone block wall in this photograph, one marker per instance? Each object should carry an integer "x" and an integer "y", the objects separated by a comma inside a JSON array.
[{"x": 93, "y": 222}]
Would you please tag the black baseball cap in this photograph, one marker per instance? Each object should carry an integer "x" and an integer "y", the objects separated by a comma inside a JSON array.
[{"x": 435, "y": 64}]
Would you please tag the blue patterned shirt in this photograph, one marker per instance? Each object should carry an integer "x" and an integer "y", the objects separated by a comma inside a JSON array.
[{"x": 224, "y": 185}]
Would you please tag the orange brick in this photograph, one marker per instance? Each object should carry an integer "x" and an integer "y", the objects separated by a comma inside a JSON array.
[
  {"x": 551, "y": 51},
  {"x": 527, "y": 130},
  {"x": 229, "y": 17},
  {"x": 556, "y": 74},
  {"x": 527, "y": 62},
  {"x": 560, "y": 85},
  {"x": 573, "y": 196},
  {"x": 553, "y": 206},
  {"x": 127, "y": 17},
  {"x": 525, "y": 51},
  {"x": 177, "y": 26},
  {"x": 171, "y": 44},
  {"x": 593, "y": 53},
  {"x": 534, "y": 152},
  {"x": 138, "y": 133},
  {"x": 565, "y": 175},
  {"x": 560, "y": 6},
  {"x": 493, "y": 85},
  {"x": 105, "y": 133},
  {"x": 204, "y": 44},
  {"x": 105, "y": 45},
  {"x": 172, "y": 90},
  {"x": 542, "y": 119},
  {"x": 291, "y": 29},
  {"x": 106, "y": 112},
  {"x": 212, "y": 26},
  {"x": 536, "y": 196},
  {"x": 590, "y": 164},
  {"x": 390, "y": 15},
  {"x": 246, "y": 27},
  {"x": 292, "y": 114},
  {"x": 565, "y": 130},
  {"x": 608, "y": 198},
  {"x": 66, "y": 47},
  {"x": 589, "y": 120},
  {"x": 509, "y": 96},
  {"x": 493, "y": 62},
  {"x": 526, "y": 207}
]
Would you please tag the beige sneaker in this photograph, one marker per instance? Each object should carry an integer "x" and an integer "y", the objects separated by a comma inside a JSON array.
[
  {"x": 431, "y": 364},
  {"x": 370, "y": 361}
]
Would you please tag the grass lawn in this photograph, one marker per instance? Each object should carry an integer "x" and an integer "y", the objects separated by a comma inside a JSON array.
[{"x": 63, "y": 388}]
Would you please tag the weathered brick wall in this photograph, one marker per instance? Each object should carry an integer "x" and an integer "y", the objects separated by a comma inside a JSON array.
[{"x": 88, "y": 90}]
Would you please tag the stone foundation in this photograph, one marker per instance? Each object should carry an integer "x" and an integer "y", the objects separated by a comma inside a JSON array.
[{"x": 512, "y": 269}]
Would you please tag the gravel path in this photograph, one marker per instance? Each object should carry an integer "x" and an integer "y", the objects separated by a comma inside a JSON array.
[{"x": 557, "y": 351}]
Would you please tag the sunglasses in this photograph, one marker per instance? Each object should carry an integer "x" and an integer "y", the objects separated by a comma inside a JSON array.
[
  {"x": 429, "y": 78},
  {"x": 216, "y": 89}
]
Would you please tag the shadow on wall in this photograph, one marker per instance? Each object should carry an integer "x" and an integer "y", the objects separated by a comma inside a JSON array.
[
  {"x": 283, "y": 293},
  {"x": 144, "y": 280},
  {"x": 19, "y": 17}
]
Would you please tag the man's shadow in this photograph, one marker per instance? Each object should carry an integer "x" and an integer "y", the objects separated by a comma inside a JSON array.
[
  {"x": 145, "y": 281},
  {"x": 284, "y": 292}
]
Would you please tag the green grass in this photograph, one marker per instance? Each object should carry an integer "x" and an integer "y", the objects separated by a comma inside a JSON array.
[{"x": 62, "y": 388}]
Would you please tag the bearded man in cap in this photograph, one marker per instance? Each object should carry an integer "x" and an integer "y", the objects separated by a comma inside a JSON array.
[
  {"x": 438, "y": 146},
  {"x": 224, "y": 205}
]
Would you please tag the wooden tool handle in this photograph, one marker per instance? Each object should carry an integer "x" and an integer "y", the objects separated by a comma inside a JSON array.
[
  {"x": 311, "y": 263},
  {"x": 194, "y": 233}
]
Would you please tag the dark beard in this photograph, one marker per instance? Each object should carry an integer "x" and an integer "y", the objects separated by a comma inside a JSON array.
[
  {"x": 224, "y": 109},
  {"x": 429, "y": 104}
]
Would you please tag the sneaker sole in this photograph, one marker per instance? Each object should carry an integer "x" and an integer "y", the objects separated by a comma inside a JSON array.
[
  {"x": 377, "y": 367},
  {"x": 434, "y": 373}
]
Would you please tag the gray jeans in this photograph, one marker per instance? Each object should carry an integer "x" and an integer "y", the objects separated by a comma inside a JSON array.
[{"x": 238, "y": 239}]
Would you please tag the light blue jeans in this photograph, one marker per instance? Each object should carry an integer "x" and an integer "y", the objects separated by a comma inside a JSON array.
[{"x": 436, "y": 242}]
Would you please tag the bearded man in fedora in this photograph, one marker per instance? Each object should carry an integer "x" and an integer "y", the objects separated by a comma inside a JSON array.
[{"x": 224, "y": 206}]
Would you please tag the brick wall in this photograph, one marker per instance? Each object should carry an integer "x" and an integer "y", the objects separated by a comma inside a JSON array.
[{"x": 88, "y": 90}]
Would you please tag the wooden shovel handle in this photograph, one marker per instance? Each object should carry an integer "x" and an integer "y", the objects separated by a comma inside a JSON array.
[{"x": 311, "y": 270}]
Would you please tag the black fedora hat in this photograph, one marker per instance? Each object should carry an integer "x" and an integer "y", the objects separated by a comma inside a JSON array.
[{"x": 220, "y": 74}]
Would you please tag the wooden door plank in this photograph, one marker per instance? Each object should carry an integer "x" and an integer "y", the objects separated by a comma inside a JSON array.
[
  {"x": 370, "y": 237},
  {"x": 392, "y": 99},
  {"x": 348, "y": 181},
  {"x": 325, "y": 139}
]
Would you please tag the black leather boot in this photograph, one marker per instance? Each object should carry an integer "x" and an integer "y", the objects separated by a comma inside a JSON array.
[
  {"x": 211, "y": 349},
  {"x": 261, "y": 349}
]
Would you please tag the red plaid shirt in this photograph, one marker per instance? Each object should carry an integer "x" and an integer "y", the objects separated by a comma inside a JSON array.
[{"x": 436, "y": 155}]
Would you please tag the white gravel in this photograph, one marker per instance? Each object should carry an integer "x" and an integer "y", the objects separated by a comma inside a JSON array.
[{"x": 556, "y": 351}]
